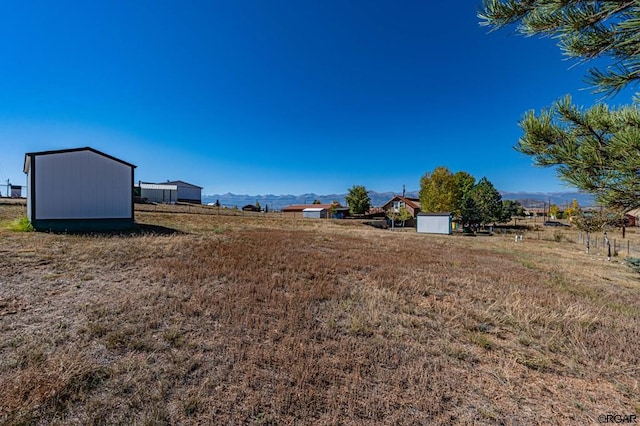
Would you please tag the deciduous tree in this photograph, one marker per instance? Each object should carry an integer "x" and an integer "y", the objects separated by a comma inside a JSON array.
[
  {"x": 439, "y": 191},
  {"x": 401, "y": 215},
  {"x": 573, "y": 209}
]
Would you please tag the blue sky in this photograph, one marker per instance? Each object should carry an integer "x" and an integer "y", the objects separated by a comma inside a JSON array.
[{"x": 257, "y": 97}]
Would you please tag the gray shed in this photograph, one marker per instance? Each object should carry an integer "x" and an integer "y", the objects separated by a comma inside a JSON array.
[
  {"x": 78, "y": 189},
  {"x": 315, "y": 213},
  {"x": 433, "y": 223}
]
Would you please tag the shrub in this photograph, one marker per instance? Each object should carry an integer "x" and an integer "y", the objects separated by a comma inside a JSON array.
[
  {"x": 634, "y": 263},
  {"x": 21, "y": 225}
]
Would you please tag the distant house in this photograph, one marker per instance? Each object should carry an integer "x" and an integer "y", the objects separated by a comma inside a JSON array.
[
  {"x": 187, "y": 192},
  {"x": 78, "y": 189},
  {"x": 16, "y": 191},
  {"x": 632, "y": 217},
  {"x": 434, "y": 223},
  {"x": 251, "y": 208},
  {"x": 158, "y": 192},
  {"x": 412, "y": 205},
  {"x": 317, "y": 211}
]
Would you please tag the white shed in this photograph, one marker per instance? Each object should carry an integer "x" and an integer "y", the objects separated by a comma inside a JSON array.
[
  {"x": 187, "y": 192},
  {"x": 78, "y": 189},
  {"x": 315, "y": 213},
  {"x": 434, "y": 223},
  {"x": 159, "y": 193}
]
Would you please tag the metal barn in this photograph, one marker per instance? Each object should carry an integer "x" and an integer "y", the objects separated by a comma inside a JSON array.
[
  {"x": 187, "y": 192},
  {"x": 159, "y": 193},
  {"x": 78, "y": 189},
  {"x": 434, "y": 223}
]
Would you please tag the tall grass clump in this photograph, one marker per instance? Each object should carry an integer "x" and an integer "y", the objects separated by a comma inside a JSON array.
[
  {"x": 634, "y": 263},
  {"x": 21, "y": 224}
]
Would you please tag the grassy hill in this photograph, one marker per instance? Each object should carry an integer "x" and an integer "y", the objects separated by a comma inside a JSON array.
[{"x": 260, "y": 319}]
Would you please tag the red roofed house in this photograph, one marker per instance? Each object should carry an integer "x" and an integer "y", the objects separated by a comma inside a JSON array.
[{"x": 411, "y": 204}]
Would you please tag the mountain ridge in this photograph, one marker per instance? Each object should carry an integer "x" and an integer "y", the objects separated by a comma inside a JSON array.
[{"x": 277, "y": 202}]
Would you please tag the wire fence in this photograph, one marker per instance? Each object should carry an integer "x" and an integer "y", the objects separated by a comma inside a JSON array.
[
  {"x": 617, "y": 246},
  {"x": 600, "y": 242}
]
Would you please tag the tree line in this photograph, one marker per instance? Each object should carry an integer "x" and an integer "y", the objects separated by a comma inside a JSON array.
[{"x": 472, "y": 203}]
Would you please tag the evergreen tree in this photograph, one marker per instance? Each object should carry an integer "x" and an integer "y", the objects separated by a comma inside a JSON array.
[
  {"x": 488, "y": 201},
  {"x": 470, "y": 213},
  {"x": 358, "y": 200},
  {"x": 465, "y": 183},
  {"x": 510, "y": 209},
  {"x": 590, "y": 148}
]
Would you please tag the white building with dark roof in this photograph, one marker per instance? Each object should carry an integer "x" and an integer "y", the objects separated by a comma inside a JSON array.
[
  {"x": 78, "y": 189},
  {"x": 187, "y": 192}
]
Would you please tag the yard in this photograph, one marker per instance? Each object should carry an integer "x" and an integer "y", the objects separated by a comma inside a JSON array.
[{"x": 208, "y": 317}]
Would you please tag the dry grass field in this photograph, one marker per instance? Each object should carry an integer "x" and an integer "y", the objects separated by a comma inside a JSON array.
[{"x": 205, "y": 318}]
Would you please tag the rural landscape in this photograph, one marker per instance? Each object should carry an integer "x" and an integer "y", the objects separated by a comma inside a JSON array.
[
  {"x": 215, "y": 316},
  {"x": 138, "y": 288}
]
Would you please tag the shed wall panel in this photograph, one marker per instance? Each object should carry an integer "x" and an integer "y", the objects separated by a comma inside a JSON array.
[
  {"x": 188, "y": 193},
  {"x": 159, "y": 195},
  {"x": 82, "y": 185},
  {"x": 314, "y": 214},
  {"x": 434, "y": 224},
  {"x": 28, "y": 166}
]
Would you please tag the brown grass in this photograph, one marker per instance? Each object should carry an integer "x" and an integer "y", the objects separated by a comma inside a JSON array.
[{"x": 254, "y": 319}]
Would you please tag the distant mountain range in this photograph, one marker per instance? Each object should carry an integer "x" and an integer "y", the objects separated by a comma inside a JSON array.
[
  {"x": 535, "y": 199},
  {"x": 277, "y": 202}
]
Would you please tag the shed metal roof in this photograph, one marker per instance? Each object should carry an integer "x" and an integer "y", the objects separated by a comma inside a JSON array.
[
  {"x": 158, "y": 186},
  {"x": 182, "y": 183},
  {"x": 64, "y": 151},
  {"x": 301, "y": 207}
]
